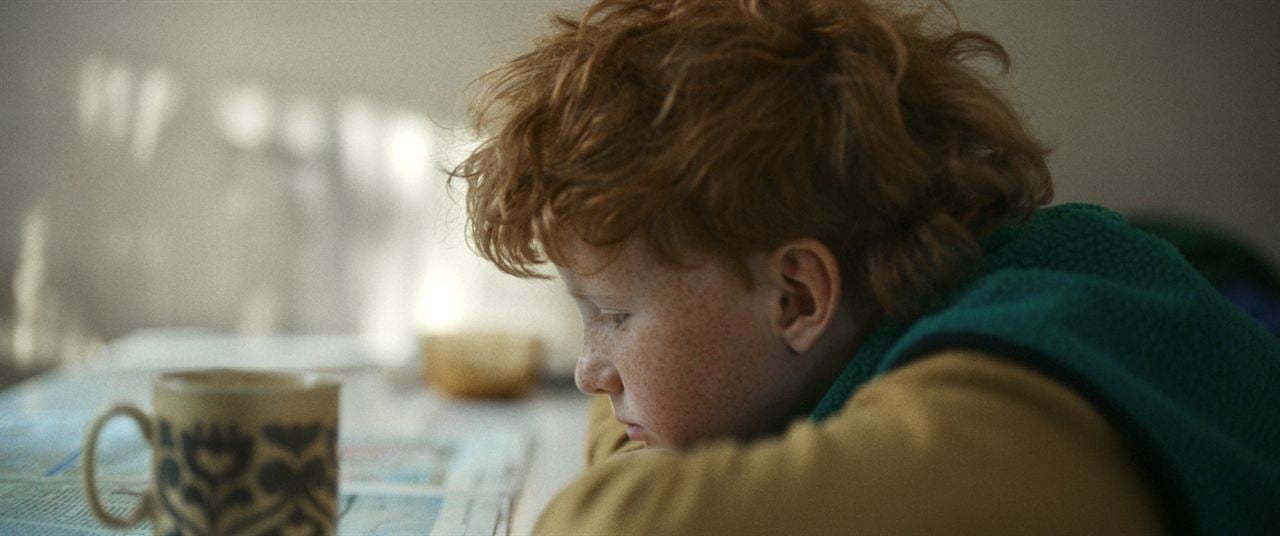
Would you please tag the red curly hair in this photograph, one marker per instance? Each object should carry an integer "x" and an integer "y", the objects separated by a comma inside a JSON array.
[{"x": 732, "y": 126}]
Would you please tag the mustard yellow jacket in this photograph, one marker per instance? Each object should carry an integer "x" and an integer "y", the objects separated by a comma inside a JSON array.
[{"x": 956, "y": 443}]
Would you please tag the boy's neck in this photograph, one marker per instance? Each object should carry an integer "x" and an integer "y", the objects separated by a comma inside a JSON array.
[{"x": 849, "y": 329}]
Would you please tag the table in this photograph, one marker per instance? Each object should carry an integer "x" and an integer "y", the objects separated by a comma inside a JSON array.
[{"x": 380, "y": 401}]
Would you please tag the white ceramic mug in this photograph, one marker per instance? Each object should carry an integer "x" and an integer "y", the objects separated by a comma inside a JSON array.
[{"x": 233, "y": 452}]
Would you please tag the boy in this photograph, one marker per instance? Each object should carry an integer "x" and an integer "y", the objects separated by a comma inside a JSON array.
[{"x": 818, "y": 295}]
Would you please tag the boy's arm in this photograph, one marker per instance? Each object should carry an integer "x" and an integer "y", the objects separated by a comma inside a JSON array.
[
  {"x": 605, "y": 435},
  {"x": 958, "y": 443}
]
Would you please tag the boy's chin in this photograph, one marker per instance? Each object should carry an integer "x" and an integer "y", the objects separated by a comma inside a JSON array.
[
  {"x": 651, "y": 445},
  {"x": 688, "y": 441},
  {"x": 682, "y": 440},
  {"x": 654, "y": 441}
]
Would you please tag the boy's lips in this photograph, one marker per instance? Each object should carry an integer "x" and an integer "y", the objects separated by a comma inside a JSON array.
[{"x": 636, "y": 432}]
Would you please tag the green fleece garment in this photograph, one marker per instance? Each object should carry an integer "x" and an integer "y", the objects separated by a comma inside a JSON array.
[{"x": 1191, "y": 381}]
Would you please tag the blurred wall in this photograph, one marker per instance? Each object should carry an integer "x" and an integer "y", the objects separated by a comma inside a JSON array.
[
  {"x": 1153, "y": 106},
  {"x": 263, "y": 167},
  {"x": 254, "y": 167}
]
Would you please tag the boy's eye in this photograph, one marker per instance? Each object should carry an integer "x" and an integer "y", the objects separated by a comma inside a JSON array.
[{"x": 593, "y": 315}]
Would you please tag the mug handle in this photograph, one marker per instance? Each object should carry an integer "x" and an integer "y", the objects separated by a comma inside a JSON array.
[{"x": 87, "y": 454}]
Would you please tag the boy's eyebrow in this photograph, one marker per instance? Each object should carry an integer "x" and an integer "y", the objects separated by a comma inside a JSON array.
[
  {"x": 583, "y": 295},
  {"x": 570, "y": 282},
  {"x": 576, "y": 292},
  {"x": 589, "y": 292},
  {"x": 591, "y": 296},
  {"x": 572, "y": 286}
]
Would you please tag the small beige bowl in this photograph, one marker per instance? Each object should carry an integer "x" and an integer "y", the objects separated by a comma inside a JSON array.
[{"x": 481, "y": 365}]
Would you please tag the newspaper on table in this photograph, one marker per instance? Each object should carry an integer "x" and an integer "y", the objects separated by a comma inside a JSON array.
[
  {"x": 445, "y": 484},
  {"x": 439, "y": 480}
]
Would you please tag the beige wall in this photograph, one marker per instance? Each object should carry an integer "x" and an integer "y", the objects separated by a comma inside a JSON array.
[
  {"x": 267, "y": 166},
  {"x": 254, "y": 167},
  {"x": 1153, "y": 106}
]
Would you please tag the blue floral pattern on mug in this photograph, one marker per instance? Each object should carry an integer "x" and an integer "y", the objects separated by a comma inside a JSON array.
[{"x": 219, "y": 479}]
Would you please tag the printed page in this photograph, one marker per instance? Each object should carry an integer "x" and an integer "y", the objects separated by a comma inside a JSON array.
[
  {"x": 434, "y": 513},
  {"x": 42, "y": 506},
  {"x": 417, "y": 465},
  {"x": 450, "y": 484},
  {"x": 442, "y": 485},
  {"x": 491, "y": 461},
  {"x": 49, "y": 446},
  {"x": 39, "y": 507}
]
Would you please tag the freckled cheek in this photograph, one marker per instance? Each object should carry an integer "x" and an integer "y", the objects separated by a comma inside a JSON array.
[
  {"x": 652, "y": 371},
  {"x": 673, "y": 385}
]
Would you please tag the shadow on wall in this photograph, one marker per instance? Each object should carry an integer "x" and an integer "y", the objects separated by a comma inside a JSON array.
[{"x": 233, "y": 205}]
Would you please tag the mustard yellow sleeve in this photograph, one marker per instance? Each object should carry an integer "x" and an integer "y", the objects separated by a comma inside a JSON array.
[{"x": 959, "y": 443}]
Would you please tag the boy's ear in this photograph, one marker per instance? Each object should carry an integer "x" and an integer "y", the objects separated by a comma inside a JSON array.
[{"x": 805, "y": 287}]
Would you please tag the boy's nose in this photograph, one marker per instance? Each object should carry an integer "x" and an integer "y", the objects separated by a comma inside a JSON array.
[{"x": 596, "y": 375}]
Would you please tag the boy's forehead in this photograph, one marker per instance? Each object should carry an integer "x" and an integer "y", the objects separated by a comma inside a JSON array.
[
  {"x": 614, "y": 281},
  {"x": 631, "y": 269},
  {"x": 586, "y": 262}
]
